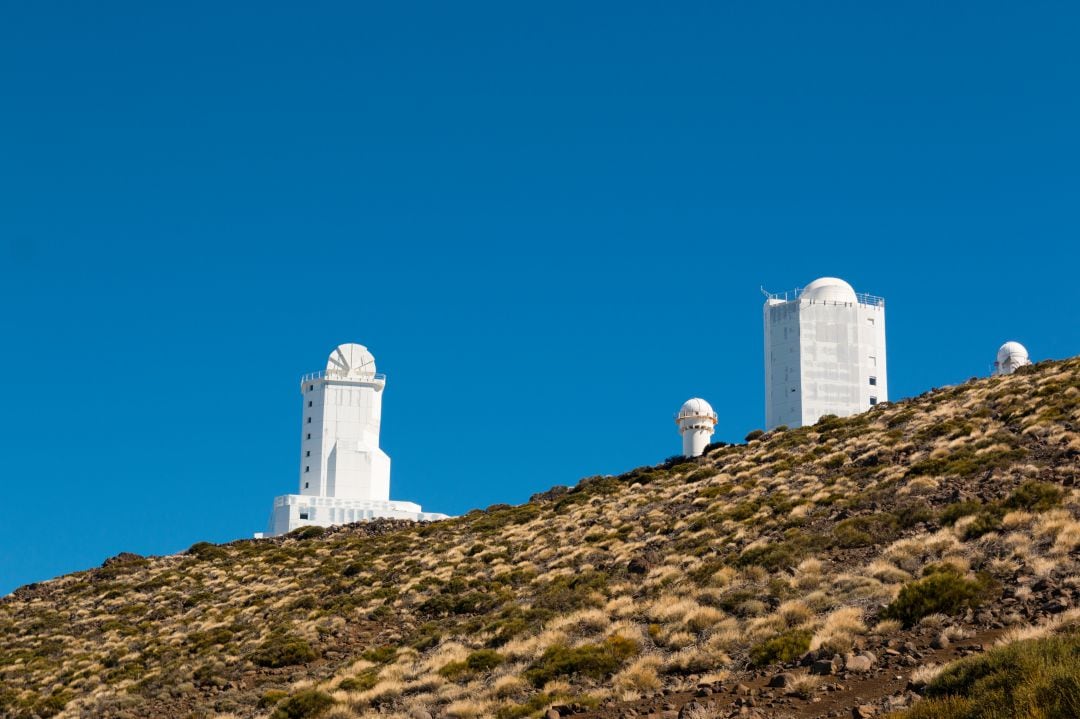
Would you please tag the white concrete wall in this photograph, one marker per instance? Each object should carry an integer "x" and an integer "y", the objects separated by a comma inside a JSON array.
[
  {"x": 783, "y": 372},
  {"x": 339, "y": 440},
  {"x": 293, "y": 510},
  {"x": 820, "y": 358},
  {"x": 695, "y": 439}
]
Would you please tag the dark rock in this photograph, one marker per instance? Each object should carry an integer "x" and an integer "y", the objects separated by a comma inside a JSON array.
[
  {"x": 781, "y": 680},
  {"x": 822, "y": 667},
  {"x": 689, "y": 709}
]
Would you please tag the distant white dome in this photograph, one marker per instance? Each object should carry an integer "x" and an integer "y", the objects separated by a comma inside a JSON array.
[
  {"x": 696, "y": 407},
  {"x": 829, "y": 289},
  {"x": 1012, "y": 351},
  {"x": 1010, "y": 356}
]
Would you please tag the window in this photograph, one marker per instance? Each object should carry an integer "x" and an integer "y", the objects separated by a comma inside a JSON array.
[
  {"x": 873, "y": 381},
  {"x": 873, "y": 401},
  {"x": 308, "y": 453},
  {"x": 873, "y": 361},
  {"x": 870, "y": 321},
  {"x": 309, "y": 420},
  {"x": 309, "y": 435},
  {"x": 303, "y": 515},
  {"x": 310, "y": 387},
  {"x": 307, "y": 468},
  {"x": 305, "y": 485},
  {"x": 309, "y": 403}
]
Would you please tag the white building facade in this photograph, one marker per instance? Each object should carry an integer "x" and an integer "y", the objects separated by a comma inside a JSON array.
[
  {"x": 344, "y": 475},
  {"x": 696, "y": 421},
  {"x": 824, "y": 353}
]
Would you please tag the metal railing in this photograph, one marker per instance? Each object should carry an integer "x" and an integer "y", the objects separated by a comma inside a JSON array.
[
  {"x": 791, "y": 295},
  {"x": 377, "y": 378}
]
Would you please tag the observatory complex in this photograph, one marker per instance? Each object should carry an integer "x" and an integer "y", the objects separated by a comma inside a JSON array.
[
  {"x": 1010, "y": 357},
  {"x": 344, "y": 475},
  {"x": 824, "y": 353},
  {"x": 696, "y": 421}
]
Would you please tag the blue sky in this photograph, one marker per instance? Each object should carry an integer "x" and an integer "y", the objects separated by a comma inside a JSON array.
[{"x": 549, "y": 222}]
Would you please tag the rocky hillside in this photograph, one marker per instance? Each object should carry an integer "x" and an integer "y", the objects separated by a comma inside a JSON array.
[{"x": 831, "y": 570}]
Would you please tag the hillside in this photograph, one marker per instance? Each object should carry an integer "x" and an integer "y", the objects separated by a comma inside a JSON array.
[{"x": 825, "y": 571}]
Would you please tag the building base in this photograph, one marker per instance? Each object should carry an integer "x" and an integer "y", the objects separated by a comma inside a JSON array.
[{"x": 298, "y": 510}]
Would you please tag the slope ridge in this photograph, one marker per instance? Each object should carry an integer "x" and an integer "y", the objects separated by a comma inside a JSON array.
[{"x": 929, "y": 521}]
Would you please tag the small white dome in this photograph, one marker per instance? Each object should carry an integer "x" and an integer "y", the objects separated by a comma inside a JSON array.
[
  {"x": 696, "y": 407},
  {"x": 1012, "y": 351},
  {"x": 829, "y": 289}
]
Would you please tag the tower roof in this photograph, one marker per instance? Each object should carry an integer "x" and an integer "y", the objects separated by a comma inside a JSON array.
[
  {"x": 696, "y": 407},
  {"x": 829, "y": 289}
]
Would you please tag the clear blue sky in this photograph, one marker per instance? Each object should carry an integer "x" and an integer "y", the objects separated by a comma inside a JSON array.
[{"x": 548, "y": 221}]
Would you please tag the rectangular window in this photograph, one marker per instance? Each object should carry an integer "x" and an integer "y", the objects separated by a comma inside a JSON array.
[
  {"x": 309, "y": 420},
  {"x": 873, "y": 401},
  {"x": 308, "y": 453},
  {"x": 305, "y": 485},
  {"x": 873, "y": 381},
  {"x": 309, "y": 403},
  {"x": 870, "y": 321},
  {"x": 309, "y": 435},
  {"x": 873, "y": 361},
  {"x": 303, "y": 515},
  {"x": 310, "y": 387},
  {"x": 307, "y": 469}
]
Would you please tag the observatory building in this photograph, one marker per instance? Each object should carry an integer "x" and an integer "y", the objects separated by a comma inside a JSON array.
[
  {"x": 1010, "y": 357},
  {"x": 344, "y": 475},
  {"x": 824, "y": 353},
  {"x": 695, "y": 420}
]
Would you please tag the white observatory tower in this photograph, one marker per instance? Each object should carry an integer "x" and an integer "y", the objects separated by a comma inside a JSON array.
[
  {"x": 1010, "y": 357},
  {"x": 696, "y": 421},
  {"x": 344, "y": 475},
  {"x": 824, "y": 353}
]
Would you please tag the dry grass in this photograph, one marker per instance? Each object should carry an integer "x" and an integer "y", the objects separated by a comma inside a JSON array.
[{"x": 740, "y": 548}]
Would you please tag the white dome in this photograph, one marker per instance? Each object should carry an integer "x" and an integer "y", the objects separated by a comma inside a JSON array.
[
  {"x": 351, "y": 360},
  {"x": 829, "y": 289},
  {"x": 1013, "y": 352},
  {"x": 696, "y": 407}
]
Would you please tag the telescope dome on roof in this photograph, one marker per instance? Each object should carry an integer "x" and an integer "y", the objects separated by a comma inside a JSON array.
[
  {"x": 696, "y": 407},
  {"x": 1014, "y": 352},
  {"x": 829, "y": 289}
]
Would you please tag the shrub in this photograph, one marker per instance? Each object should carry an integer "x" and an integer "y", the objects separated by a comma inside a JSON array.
[
  {"x": 754, "y": 434},
  {"x": 308, "y": 703},
  {"x": 988, "y": 520},
  {"x": 591, "y": 660},
  {"x": 1032, "y": 678},
  {"x": 483, "y": 660},
  {"x": 361, "y": 682},
  {"x": 1034, "y": 497},
  {"x": 865, "y": 531},
  {"x": 281, "y": 650},
  {"x": 206, "y": 551},
  {"x": 271, "y": 698},
  {"x": 782, "y": 648},
  {"x": 953, "y": 512},
  {"x": 942, "y": 591},
  {"x": 309, "y": 532},
  {"x": 380, "y": 655}
]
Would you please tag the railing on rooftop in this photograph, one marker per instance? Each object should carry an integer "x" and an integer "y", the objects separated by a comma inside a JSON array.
[
  {"x": 792, "y": 295},
  {"x": 377, "y": 378}
]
